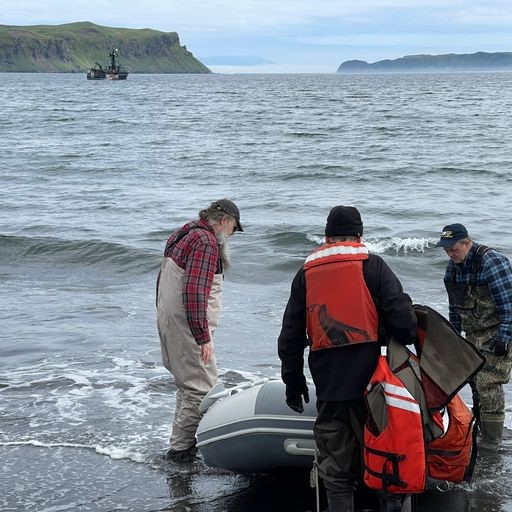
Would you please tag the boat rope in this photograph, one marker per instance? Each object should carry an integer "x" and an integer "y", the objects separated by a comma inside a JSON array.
[{"x": 313, "y": 480}]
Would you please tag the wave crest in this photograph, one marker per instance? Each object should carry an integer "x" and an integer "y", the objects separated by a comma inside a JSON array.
[
  {"x": 399, "y": 245},
  {"x": 389, "y": 245},
  {"x": 78, "y": 252}
]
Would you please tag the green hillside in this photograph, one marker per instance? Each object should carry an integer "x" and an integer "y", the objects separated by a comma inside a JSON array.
[{"x": 75, "y": 47}]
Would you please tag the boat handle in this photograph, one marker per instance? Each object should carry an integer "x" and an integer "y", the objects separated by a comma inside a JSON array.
[{"x": 300, "y": 447}]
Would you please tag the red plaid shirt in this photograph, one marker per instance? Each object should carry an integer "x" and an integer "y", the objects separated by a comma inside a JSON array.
[{"x": 198, "y": 254}]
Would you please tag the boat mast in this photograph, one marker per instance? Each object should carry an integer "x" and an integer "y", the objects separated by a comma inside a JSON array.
[{"x": 113, "y": 56}]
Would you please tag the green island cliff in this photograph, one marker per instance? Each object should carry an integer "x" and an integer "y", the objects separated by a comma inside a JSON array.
[
  {"x": 75, "y": 47},
  {"x": 480, "y": 61}
]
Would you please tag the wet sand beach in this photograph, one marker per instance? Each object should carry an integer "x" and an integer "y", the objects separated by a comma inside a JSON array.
[{"x": 193, "y": 487}]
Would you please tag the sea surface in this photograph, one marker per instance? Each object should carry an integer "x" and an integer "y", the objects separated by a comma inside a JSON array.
[{"x": 94, "y": 176}]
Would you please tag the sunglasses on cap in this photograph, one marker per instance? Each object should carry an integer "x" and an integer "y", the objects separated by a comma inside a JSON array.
[{"x": 219, "y": 207}]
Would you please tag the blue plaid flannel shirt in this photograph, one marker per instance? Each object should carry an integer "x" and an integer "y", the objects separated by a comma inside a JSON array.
[{"x": 496, "y": 272}]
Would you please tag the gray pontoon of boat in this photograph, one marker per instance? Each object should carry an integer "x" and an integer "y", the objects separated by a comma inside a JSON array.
[{"x": 249, "y": 428}]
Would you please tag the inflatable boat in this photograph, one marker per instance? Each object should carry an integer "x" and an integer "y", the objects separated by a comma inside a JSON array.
[{"x": 249, "y": 428}]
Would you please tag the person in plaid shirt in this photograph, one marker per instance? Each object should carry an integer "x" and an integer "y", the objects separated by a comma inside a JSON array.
[
  {"x": 479, "y": 285},
  {"x": 188, "y": 301}
]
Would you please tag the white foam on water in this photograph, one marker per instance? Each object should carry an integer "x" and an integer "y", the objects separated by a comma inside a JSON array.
[
  {"x": 59, "y": 401},
  {"x": 112, "y": 451},
  {"x": 128, "y": 403},
  {"x": 394, "y": 244},
  {"x": 41, "y": 444},
  {"x": 118, "y": 453},
  {"x": 319, "y": 240},
  {"x": 69, "y": 410},
  {"x": 78, "y": 379},
  {"x": 120, "y": 362},
  {"x": 399, "y": 245}
]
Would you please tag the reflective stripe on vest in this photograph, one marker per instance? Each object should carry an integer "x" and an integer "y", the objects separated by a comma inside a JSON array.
[
  {"x": 341, "y": 248},
  {"x": 402, "y": 399},
  {"x": 340, "y": 309}
]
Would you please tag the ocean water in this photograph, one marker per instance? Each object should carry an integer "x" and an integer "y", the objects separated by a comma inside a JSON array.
[{"x": 94, "y": 177}]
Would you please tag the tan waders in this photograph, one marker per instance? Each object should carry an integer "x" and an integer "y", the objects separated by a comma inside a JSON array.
[{"x": 181, "y": 354}]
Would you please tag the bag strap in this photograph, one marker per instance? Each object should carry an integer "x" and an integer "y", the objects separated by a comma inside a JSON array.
[
  {"x": 474, "y": 452},
  {"x": 477, "y": 261},
  {"x": 387, "y": 478},
  {"x": 181, "y": 235}
]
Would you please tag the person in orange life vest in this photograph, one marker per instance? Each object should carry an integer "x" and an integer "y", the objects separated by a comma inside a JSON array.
[{"x": 343, "y": 303}]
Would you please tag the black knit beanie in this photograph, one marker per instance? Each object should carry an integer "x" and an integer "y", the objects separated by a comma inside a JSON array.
[{"x": 344, "y": 221}]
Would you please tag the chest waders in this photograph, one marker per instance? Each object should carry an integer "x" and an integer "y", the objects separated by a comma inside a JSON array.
[
  {"x": 480, "y": 322},
  {"x": 181, "y": 355}
]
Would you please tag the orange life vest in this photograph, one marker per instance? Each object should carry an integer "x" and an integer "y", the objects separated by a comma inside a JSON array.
[
  {"x": 449, "y": 457},
  {"x": 396, "y": 440},
  {"x": 394, "y": 449},
  {"x": 340, "y": 309}
]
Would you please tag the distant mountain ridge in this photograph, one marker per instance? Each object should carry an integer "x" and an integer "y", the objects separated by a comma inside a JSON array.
[
  {"x": 447, "y": 62},
  {"x": 75, "y": 47}
]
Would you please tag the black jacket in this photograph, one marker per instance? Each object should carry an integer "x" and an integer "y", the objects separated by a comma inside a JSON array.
[{"x": 342, "y": 373}]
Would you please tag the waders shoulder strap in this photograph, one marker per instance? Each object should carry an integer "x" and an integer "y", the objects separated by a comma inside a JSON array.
[
  {"x": 169, "y": 246},
  {"x": 479, "y": 254},
  {"x": 167, "y": 249}
]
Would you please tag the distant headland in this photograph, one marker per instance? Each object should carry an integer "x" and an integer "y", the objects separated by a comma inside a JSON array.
[
  {"x": 75, "y": 47},
  {"x": 480, "y": 61}
]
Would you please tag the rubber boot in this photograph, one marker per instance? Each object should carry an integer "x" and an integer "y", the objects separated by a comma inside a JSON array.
[
  {"x": 407, "y": 504},
  {"x": 340, "y": 503},
  {"x": 491, "y": 428},
  {"x": 397, "y": 503}
]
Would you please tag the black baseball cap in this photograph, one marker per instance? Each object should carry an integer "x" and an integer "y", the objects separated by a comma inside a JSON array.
[
  {"x": 227, "y": 206},
  {"x": 452, "y": 234}
]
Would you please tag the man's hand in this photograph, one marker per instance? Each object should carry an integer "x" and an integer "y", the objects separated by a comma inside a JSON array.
[
  {"x": 206, "y": 352},
  {"x": 294, "y": 396},
  {"x": 500, "y": 348}
]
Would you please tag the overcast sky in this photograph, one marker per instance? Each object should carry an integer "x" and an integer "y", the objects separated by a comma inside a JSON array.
[{"x": 292, "y": 35}]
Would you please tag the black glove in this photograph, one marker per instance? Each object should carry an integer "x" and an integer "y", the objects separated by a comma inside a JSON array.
[
  {"x": 294, "y": 396},
  {"x": 500, "y": 348}
]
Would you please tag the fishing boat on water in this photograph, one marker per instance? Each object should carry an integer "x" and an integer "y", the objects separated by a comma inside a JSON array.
[{"x": 112, "y": 72}]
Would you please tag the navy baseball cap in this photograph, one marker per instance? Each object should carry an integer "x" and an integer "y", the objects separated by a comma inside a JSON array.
[{"x": 452, "y": 234}]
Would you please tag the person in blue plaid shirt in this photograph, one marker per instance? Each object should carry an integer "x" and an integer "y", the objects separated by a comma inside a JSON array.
[{"x": 479, "y": 285}]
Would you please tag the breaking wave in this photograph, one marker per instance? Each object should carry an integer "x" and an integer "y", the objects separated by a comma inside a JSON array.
[{"x": 389, "y": 245}]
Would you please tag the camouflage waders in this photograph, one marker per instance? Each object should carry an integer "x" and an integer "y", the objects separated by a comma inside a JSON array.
[{"x": 480, "y": 322}]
